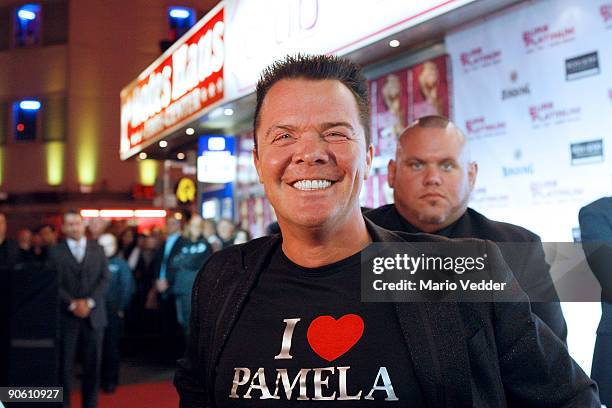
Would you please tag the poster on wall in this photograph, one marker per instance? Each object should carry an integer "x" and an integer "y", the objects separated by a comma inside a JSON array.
[
  {"x": 428, "y": 89},
  {"x": 532, "y": 91},
  {"x": 389, "y": 110}
]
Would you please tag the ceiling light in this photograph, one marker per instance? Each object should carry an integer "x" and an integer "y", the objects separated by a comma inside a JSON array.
[
  {"x": 394, "y": 43},
  {"x": 163, "y": 143},
  {"x": 190, "y": 131},
  {"x": 180, "y": 156},
  {"x": 228, "y": 111},
  {"x": 142, "y": 156}
]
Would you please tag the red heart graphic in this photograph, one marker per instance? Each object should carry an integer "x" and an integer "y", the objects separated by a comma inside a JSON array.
[{"x": 331, "y": 338}]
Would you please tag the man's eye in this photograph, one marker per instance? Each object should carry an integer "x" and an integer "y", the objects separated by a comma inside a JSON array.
[
  {"x": 447, "y": 166},
  {"x": 416, "y": 166},
  {"x": 335, "y": 136},
  {"x": 282, "y": 137}
]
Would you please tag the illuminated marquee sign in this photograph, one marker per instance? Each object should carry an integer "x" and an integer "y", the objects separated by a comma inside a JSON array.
[{"x": 182, "y": 82}]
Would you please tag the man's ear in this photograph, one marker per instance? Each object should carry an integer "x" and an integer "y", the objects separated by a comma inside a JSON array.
[
  {"x": 391, "y": 173},
  {"x": 369, "y": 156},
  {"x": 472, "y": 173},
  {"x": 257, "y": 164}
]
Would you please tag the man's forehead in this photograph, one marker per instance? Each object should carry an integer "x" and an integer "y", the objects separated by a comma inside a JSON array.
[{"x": 432, "y": 142}]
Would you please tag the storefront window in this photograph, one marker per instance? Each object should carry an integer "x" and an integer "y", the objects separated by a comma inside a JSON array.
[{"x": 27, "y": 25}]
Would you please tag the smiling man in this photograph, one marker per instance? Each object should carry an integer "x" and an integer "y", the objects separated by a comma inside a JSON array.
[{"x": 279, "y": 321}]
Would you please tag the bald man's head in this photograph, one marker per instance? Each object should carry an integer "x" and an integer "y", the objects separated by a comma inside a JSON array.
[{"x": 432, "y": 176}]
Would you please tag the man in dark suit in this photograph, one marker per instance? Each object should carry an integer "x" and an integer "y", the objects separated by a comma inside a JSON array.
[
  {"x": 286, "y": 309},
  {"x": 165, "y": 275},
  {"x": 596, "y": 231},
  {"x": 83, "y": 280},
  {"x": 432, "y": 178}
]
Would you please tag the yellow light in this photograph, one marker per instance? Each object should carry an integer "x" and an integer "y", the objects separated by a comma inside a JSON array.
[
  {"x": 147, "y": 171},
  {"x": 54, "y": 151},
  {"x": 87, "y": 144}
]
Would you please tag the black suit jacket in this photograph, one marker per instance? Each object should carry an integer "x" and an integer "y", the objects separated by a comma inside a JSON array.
[
  {"x": 464, "y": 354},
  {"x": 528, "y": 262},
  {"x": 89, "y": 279}
]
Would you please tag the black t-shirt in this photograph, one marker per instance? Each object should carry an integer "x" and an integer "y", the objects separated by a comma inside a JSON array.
[{"x": 304, "y": 338}]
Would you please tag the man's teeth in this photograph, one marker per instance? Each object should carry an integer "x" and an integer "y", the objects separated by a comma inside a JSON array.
[{"x": 312, "y": 184}]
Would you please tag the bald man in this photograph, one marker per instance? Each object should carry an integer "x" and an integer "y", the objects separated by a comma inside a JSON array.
[{"x": 432, "y": 177}]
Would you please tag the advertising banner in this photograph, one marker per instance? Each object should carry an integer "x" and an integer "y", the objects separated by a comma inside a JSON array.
[{"x": 532, "y": 92}]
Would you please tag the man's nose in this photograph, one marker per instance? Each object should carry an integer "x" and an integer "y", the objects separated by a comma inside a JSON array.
[
  {"x": 311, "y": 149},
  {"x": 432, "y": 176}
]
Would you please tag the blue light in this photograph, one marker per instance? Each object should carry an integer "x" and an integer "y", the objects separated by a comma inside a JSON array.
[
  {"x": 26, "y": 15},
  {"x": 29, "y": 104},
  {"x": 179, "y": 13}
]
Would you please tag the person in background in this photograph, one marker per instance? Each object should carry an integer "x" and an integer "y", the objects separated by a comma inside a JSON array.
[
  {"x": 48, "y": 234},
  {"x": 139, "y": 319},
  {"x": 83, "y": 280},
  {"x": 241, "y": 236},
  {"x": 43, "y": 238},
  {"x": 37, "y": 251},
  {"x": 209, "y": 229},
  {"x": 24, "y": 242},
  {"x": 596, "y": 234},
  {"x": 117, "y": 299},
  {"x": 128, "y": 246},
  {"x": 165, "y": 274},
  {"x": 187, "y": 263},
  {"x": 225, "y": 231},
  {"x": 96, "y": 227},
  {"x": 432, "y": 177}
]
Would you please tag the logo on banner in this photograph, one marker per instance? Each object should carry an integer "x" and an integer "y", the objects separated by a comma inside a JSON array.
[
  {"x": 550, "y": 192},
  {"x": 582, "y": 66},
  {"x": 517, "y": 169},
  {"x": 547, "y": 114},
  {"x": 480, "y": 128},
  {"x": 541, "y": 37},
  {"x": 587, "y": 152},
  {"x": 605, "y": 10},
  {"x": 515, "y": 91},
  {"x": 482, "y": 196},
  {"x": 477, "y": 58}
]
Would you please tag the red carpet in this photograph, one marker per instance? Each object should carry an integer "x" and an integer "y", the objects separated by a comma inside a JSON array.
[{"x": 158, "y": 395}]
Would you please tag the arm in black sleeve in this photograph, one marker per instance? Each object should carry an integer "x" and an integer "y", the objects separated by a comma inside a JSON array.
[
  {"x": 545, "y": 300},
  {"x": 596, "y": 232},
  {"x": 536, "y": 367}
]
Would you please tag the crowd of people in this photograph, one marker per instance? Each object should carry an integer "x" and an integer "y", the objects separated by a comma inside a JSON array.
[{"x": 116, "y": 283}]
